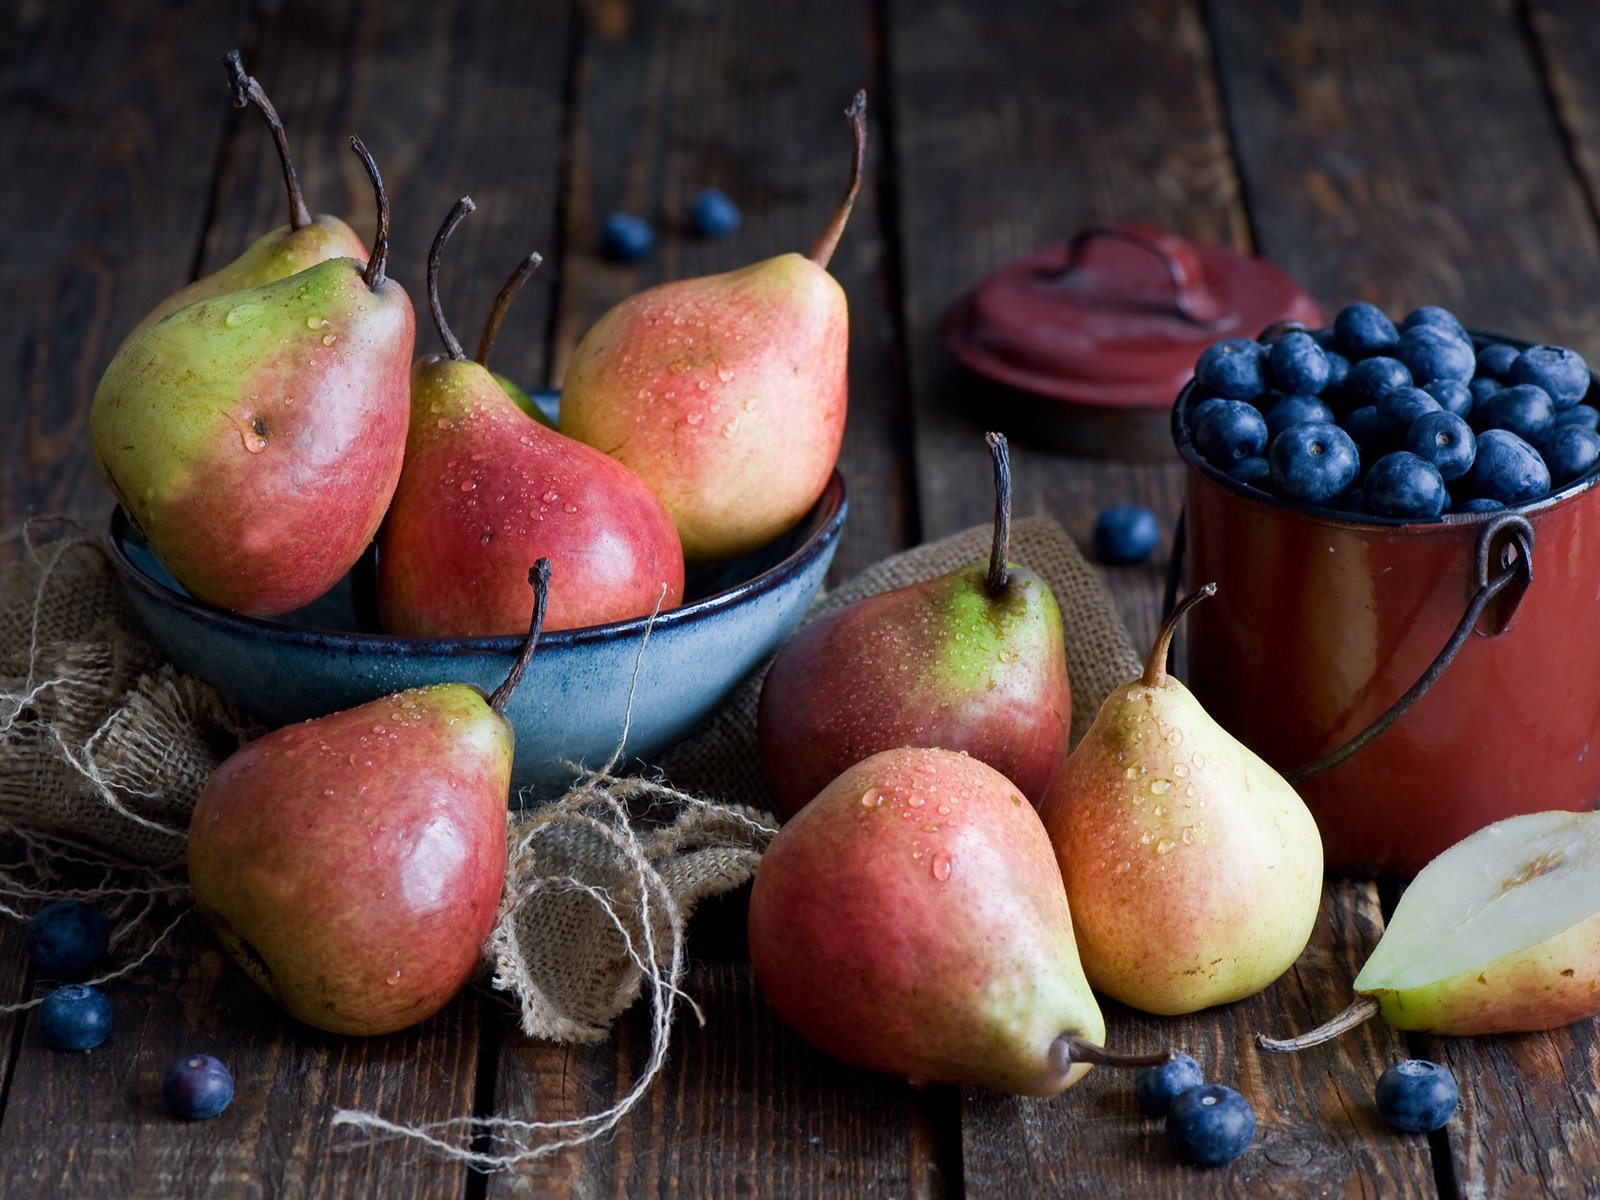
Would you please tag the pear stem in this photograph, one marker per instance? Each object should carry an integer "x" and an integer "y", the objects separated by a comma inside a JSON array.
[
  {"x": 1072, "y": 1049},
  {"x": 999, "y": 577},
  {"x": 508, "y": 292},
  {"x": 822, "y": 250},
  {"x": 1155, "y": 667},
  {"x": 460, "y": 209},
  {"x": 539, "y": 577},
  {"x": 1362, "y": 1010},
  {"x": 246, "y": 91},
  {"x": 378, "y": 261}
]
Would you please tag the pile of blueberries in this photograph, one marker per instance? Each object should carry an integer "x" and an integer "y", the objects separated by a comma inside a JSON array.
[
  {"x": 67, "y": 940},
  {"x": 1210, "y": 1124},
  {"x": 1405, "y": 421}
]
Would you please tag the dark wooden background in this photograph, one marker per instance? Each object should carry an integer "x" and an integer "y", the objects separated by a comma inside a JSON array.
[{"x": 1398, "y": 151}]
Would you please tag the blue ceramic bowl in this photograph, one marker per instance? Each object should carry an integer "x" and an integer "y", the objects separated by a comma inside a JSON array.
[{"x": 572, "y": 703}]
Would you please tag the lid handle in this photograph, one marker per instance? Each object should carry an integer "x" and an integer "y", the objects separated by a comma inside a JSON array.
[{"x": 1183, "y": 269}]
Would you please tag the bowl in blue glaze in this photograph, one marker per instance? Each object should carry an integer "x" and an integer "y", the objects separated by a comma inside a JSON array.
[{"x": 571, "y": 705}]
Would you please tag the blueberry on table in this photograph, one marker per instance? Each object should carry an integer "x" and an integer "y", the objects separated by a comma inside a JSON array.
[
  {"x": 1417, "y": 1096},
  {"x": 1453, "y": 395},
  {"x": 1296, "y": 410},
  {"x": 66, "y": 939},
  {"x": 1252, "y": 472},
  {"x": 1370, "y": 378},
  {"x": 1439, "y": 318},
  {"x": 1495, "y": 360},
  {"x": 1226, "y": 432},
  {"x": 1570, "y": 451},
  {"x": 75, "y": 1017},
  {"x": 1362, "y": 330},
  {"x": 1233, "y": 368},
  {"x": 625, "y": 238},
  {"x": 1313, "y": 463},
  {"x": 1524, "y": 408},
  {"x": 1431, "y": 352},
  {"x": 713, "y": 214},
  {"x": 1403, "y": 485},
  {"x": 1157, "y": 1087},
  {"x": 197, "y": 1087},
  {"x": 1562, "y": 373},
  {"x": 1446, "y": 441},
  {"x": 1297, "y": 365},
  {"x": 1506, "y": 469},
  {"x": 1210, "y": 1125},
  {"x": 1125, "y": 533}
]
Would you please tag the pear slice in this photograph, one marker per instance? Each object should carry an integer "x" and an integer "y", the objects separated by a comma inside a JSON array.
[{"x": 1498, "y": 934}]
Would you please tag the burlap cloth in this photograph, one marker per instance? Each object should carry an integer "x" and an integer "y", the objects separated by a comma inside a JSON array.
[{"x": 104, "y": 748}]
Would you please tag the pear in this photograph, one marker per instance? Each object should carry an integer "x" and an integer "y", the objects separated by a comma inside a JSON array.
[
  {"x": 973, "y": 660},
  {"x": 1498, "y": 934},
  {"x": 486, "y": 488},
  {"x": 1193, "y": 869},
  {"x": 725, "y": 393},
  {"x": 255, "y": 438},
  {"x": 910, "y": 919},
  {"x": 305, "y": 241},
  {"x": 352, "y": 864}
]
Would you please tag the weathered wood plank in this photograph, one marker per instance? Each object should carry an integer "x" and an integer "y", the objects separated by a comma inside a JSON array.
[
  {"x": 1566, "y": 40},
  {"x": 105, "y": 192}
]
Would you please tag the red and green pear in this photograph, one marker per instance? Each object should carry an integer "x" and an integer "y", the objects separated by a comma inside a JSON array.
[
  {"x": 973, "y": 660},
  {"x": 911, "y": 920},
  {"x": 255, "y": 438},
  {"x": 1194, "y": 870},
  {"x": 352, "y": 865},
  {"x": 726, "y": 394},
  {"x": 486, "y": 488},
  {"x": 287, "y": 250}
]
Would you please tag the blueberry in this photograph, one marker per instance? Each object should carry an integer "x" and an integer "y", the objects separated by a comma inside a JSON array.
[
  {"x": 1524, "y": 408},
  {"x": 1297, "y": 365},
  {"x": 1370, "y": 378},
  {"x": 1453, "y": 395},
  {"x": 1445, "y": 440},
  {"x": 1295, "y": 410},
  {"x": 1367, "y": 427},
  {"x": 1400, "y": 408},
  {"x": 1417, "y": 1096},
  {"x": 1403, "y": 485},
  {"x": 1233, "y": 369},
  {"x": 75, "y": 1017},
  {"x": 1495, "y": 360},
  {"x": 1560, "y": 372},
  {"x": 625, "y": 238},
  {"x": 1252, "y": 472},
  {"x": 713, "y": 214},
  {"x": 1439, "y": 318},
  {"x": 1586, "y": 415},
  {"x": 1570, "y": 451},
  {"x": 1157, "y": 1087},
  {"x": 1325, "y": 338},
  {"x": 1432, "y": 352},
  {"x": 1210, "y": 1125},
  {"x": 1279, "y": 329},
  {"x": 1313, "y": 463},
  {"x": 1506, "y": 469},
  {"x": 1228, "y": 432},
  {"x": 1482, "y": 387},
  {"x": 1338, "y": 372},
  {"x": 1478, "y": 504},
  {"x": 197, "y": 1087},
  {"x": 1361, "y": 330},
  {"x": 67, "y": 938},
  {"x": 1125, "y": 533}
]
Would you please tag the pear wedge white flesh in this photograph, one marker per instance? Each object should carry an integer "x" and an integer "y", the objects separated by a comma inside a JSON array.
[{"x": 1498, "y": 934}]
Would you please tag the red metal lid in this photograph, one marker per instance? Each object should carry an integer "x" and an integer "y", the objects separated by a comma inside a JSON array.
[{"x": 1117, "y": 317}]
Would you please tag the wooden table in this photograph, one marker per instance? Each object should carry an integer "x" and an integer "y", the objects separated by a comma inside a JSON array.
[{"x": 1399, "y": 151}]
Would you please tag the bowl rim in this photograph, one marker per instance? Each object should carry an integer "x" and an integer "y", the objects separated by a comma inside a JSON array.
[{"x": 828, "y": 514}]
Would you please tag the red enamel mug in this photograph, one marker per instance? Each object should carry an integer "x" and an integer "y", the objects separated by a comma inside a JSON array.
[{"x": 1446, "y": 673}]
